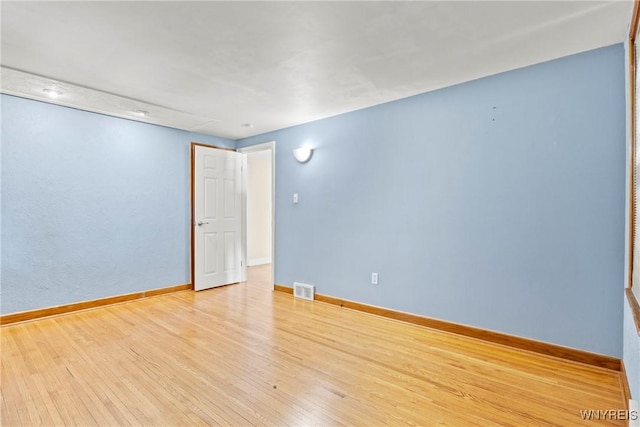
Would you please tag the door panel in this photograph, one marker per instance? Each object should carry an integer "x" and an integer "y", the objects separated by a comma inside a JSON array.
[
  {"x": 229, "y": 200},
  {"x": 210, "y": 198},
  {"x": 218, "y": 217},
  {"x": 210, "y": 253},
  {"x": 230, "y": 250}
]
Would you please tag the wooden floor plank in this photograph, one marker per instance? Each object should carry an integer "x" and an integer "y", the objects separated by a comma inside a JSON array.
[{"x": 243, "y": 355}]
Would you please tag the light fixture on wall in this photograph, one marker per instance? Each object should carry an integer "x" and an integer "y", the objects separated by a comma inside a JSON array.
[{"x": 302, "y": 154}]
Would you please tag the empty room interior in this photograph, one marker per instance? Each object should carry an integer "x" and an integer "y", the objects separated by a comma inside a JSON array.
[{"x": 320, "y": 213}]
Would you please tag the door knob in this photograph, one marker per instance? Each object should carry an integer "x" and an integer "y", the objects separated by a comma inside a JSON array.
[{"x": 200, "y": 223}]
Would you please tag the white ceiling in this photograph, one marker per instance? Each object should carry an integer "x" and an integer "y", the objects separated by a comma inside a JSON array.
[{"x": 212, "y": 66}]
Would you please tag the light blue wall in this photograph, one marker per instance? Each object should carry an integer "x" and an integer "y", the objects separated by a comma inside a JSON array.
[
  {"x": 92, "y": 206},
  {"x": 497, "y": 203}
]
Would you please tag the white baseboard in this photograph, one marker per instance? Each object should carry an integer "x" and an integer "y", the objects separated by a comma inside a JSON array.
[{"x": 258, "y": 261}]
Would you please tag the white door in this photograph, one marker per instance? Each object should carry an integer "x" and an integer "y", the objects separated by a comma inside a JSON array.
[{"x": 218, "y": 217}]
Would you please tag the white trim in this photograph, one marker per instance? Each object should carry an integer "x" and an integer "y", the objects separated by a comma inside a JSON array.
[
  {"x": 258, "y": 261},
  {"x": 243, "y": 227},
  {"x": 250, "y": 149},
  {"x": 258, "y": 147}
]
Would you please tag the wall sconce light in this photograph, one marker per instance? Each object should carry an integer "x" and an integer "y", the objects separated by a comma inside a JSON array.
[{"x": 302, "y": 154}]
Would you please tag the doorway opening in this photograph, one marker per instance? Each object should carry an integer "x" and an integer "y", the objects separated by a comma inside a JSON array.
[{"x": 258, "y": 183}]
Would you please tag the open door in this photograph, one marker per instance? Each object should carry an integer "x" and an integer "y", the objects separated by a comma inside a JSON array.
[{"x": 217, "y": 217}]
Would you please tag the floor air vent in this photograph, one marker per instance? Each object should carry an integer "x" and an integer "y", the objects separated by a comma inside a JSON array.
[{"x": 302, "y": 290}]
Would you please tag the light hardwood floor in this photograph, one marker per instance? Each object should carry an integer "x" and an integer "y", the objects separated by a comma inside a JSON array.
[{"x": 243, "y": 355}]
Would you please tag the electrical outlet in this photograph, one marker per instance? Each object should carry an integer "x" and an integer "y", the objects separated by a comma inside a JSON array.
[
  {"x": 374, "y": 278},
  {"x": 295, "y": 197}
]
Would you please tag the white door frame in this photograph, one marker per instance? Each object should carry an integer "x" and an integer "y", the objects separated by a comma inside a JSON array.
[{"x": 271, "y": 146}]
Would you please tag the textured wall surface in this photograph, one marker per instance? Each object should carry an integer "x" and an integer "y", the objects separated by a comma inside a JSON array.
[
  {"x": 92, "y": 206},
  {"x": 497, "y": 203}
]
